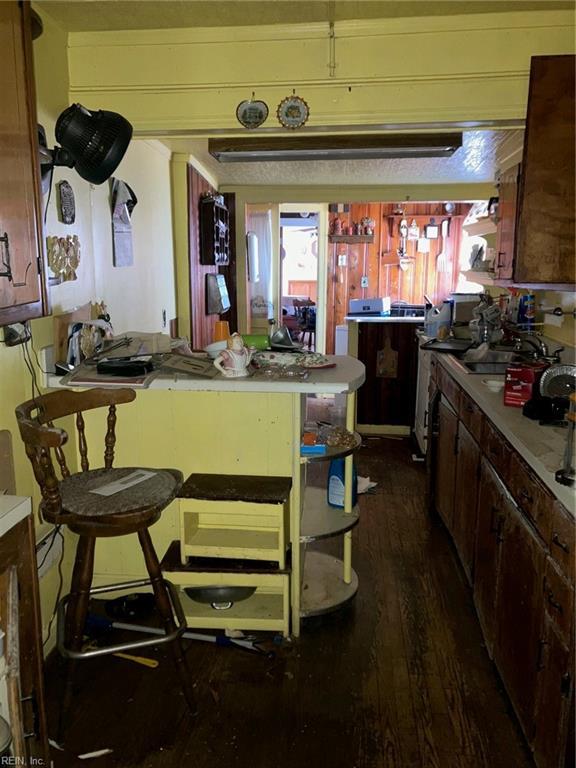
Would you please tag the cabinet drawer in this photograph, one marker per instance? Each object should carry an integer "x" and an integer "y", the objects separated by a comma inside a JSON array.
[
  {"x": 449, "y": 388},
  {"x": 471, "y": 416},
  {"x": 531, "y": 496},
  {"x": 496, "y": 450},
  {"x": 558, "y": 599},
  {"x": 562, "y": 540}
]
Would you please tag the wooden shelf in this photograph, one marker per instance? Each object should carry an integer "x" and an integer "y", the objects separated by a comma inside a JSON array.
[
  {"x": 320, "y": 520},
  {"x": 324, "y": 590},
  {"x": 238, "y": 543},
  {"x": 351, "y": 239},
  {"x": 332, "y": 453}
]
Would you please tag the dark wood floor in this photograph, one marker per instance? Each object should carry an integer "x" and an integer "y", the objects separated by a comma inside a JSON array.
[{"x": 400, "y": 678}]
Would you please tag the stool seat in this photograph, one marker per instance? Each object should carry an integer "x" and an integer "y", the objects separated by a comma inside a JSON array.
[
  {"x": 145, "y": 499},
  {"x": 253, "y": 489}
]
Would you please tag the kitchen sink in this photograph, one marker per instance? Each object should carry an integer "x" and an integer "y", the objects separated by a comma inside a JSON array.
[
  {"x": 495, "y": 362},
  {"x": 482, "y": 367}
]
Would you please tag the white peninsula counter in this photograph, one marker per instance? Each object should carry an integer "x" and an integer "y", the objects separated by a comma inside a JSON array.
[{"x": 248, "y": 426}]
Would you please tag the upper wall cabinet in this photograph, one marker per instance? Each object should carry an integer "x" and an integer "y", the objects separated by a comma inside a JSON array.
[
  {"x": 545, "y": 245},
  {"x": 22, "y": 286}
]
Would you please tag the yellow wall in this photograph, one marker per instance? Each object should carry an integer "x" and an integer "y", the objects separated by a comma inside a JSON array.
[{"x": 416, "y": 70}]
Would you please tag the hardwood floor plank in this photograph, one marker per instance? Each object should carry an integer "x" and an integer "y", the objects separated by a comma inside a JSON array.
[{"x": 398, "y": 679}]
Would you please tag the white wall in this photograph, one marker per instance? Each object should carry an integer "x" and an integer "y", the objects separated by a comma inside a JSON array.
[{"x": 136, "y": 295}]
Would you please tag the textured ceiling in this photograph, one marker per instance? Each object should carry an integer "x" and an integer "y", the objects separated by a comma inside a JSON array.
[
  {"x": 474, "y": 162},
  {"x": 87, "y": 15}
]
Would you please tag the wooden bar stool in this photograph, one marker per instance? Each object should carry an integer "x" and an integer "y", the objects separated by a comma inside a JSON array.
[{"x": 72, "y": 501}]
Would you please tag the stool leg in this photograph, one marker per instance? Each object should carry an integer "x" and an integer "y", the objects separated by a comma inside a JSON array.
[
  {"x": 76, "y": 612},
  {"x": 164, "y": 607}
]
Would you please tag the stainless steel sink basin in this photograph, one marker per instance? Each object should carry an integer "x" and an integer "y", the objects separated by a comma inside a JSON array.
[
  {"x": 495, "y": 362},
  {"x": 482, "y": 367}
]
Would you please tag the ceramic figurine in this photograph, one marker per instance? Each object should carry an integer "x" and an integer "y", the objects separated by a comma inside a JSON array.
[
  {"x": 233, "y": 362},
  {"x": 337, "y": 227}
]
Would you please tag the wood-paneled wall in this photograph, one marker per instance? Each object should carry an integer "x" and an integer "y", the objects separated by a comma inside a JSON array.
[
  {"x": 379, "y": 260},
  {"x": 202, "y": 325}
]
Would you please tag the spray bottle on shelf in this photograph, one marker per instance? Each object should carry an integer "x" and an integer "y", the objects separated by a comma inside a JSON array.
[{"x": 336, "y": 471}]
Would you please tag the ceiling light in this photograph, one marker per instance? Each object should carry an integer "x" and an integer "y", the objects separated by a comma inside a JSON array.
[{"x": 340, "y": 147}]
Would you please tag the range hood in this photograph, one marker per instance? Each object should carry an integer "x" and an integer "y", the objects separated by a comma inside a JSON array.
[{"x": 340, "y": 147}]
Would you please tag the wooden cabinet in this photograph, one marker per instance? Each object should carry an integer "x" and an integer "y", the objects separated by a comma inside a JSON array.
[
  {"x": 20, "y": 621},
  {"x": 390, "y": 354},
  {"x": 506, "y": 230},
  {"x": 22, "y": 286},
  {"x": 519, "y": 613},
  {"x": 446, "y": 447},
  {"x": 465, "y": 498},
  {"x": 545, "y": 243},
  {"x": 517, "y": 546},
  {"x": 492, "y": 513},
  {"x": 555, "y": 689}
]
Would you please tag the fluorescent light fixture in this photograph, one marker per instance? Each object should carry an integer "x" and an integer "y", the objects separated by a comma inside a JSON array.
[{"x": 350, "y": 147}]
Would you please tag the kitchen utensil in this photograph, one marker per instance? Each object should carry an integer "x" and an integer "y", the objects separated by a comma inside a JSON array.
[
  {"x": 558, "y": 381},
  {"x": 221, "y": 598}
]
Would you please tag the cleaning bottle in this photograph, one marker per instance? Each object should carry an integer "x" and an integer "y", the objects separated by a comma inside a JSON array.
[{"x": 335, "y": 489}]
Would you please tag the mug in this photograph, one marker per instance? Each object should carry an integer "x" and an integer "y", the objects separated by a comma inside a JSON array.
[{"x": 221, "y": 330}]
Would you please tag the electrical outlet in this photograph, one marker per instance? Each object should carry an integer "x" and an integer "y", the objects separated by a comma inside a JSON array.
[
  {"x": 48, "y": 552},
  {"x": 364, "y": 281},
  {"x": 15, "y": 334},
  {"x": 341, "y": 259}
]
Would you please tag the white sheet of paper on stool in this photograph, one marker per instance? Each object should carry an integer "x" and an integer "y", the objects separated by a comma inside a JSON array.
[{"x": 138, "y": 476}]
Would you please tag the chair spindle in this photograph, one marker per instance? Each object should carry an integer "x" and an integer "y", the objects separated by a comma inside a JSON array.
[
  {"x": 82, "y": 444},
  {"x": 110, "y": 439}
]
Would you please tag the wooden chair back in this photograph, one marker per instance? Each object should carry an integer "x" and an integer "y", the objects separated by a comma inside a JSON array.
[{"x": 36, "y": 424}]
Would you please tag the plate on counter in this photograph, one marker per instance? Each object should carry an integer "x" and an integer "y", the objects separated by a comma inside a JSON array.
[
  {"x": 263, "y": 359},
  {"x": 313, "y": 360}
]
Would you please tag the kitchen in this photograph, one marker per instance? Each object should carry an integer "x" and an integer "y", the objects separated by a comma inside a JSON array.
[{"x": 91, "y": 77}]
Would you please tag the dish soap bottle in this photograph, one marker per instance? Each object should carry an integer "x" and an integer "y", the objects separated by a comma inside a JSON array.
[{"x": 335, "y": 488}]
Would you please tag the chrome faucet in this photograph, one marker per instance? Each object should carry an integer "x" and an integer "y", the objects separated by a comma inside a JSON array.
[{"x": 539, "y": 347}]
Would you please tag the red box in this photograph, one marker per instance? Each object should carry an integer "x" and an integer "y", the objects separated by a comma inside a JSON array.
[{"x": 521, "y": 382}]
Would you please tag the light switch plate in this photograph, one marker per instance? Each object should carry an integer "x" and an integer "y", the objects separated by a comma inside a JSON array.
[
  {"x": 364, "y": 281},
  {"x": 341, "y": 259}
]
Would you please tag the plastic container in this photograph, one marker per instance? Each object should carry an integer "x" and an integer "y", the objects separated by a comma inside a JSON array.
[
  {"x": 335, "y": 490},
  {"x": 438, "y": 317}
]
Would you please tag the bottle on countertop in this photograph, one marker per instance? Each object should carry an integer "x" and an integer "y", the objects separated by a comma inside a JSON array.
[{"x": 335, "y": 489}]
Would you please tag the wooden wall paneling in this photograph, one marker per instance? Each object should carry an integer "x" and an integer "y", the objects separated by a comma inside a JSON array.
[{"x": 202, "y": 325}]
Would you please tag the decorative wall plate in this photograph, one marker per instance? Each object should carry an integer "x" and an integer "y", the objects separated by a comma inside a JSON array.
[
  {"x": 292, "y": 112},
  {"x": 251, "y": 114}
]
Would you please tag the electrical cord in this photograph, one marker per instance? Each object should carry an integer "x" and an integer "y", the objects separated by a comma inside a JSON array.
[
  {"x": 60, "y": 587},
  {"x": 54, "y": 534}
]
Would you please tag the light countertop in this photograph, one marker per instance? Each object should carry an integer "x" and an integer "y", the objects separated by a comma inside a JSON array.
[
  {"x": 383, "y": 319},
  {"x": 347, "y": 376},
  {"x": 542, "y": 448}
]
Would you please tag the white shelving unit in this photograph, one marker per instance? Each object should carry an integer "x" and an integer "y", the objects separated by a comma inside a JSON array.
[{"x": 328, "y": 583}]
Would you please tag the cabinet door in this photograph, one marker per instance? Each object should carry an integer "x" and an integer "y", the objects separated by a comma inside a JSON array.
[
  {"x": 446, "y": 463},
  {"x": 545, "y": 244},
  {"x": 465, "y": 499},
  {"x": 519, "y": 613},
  {"x": 389, "y": 352},
  {"x": 22, "y": 289},
  {"x": 492, "y": 503},
  {"x": 554, "y": 692},
  {"x": 507, "y": 214}
]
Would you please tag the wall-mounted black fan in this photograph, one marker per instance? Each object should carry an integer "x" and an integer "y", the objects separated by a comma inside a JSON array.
[{"x": 92, "y": 141}]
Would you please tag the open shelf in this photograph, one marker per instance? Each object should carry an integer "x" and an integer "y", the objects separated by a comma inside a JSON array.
[
  {"x": 332, "y": 453},
  {"x": 351, "y": 239},
  {"x": 232, "y": 542},
  {"x": 323, "y": 588},
  {"x": 320, "y": 520}
]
